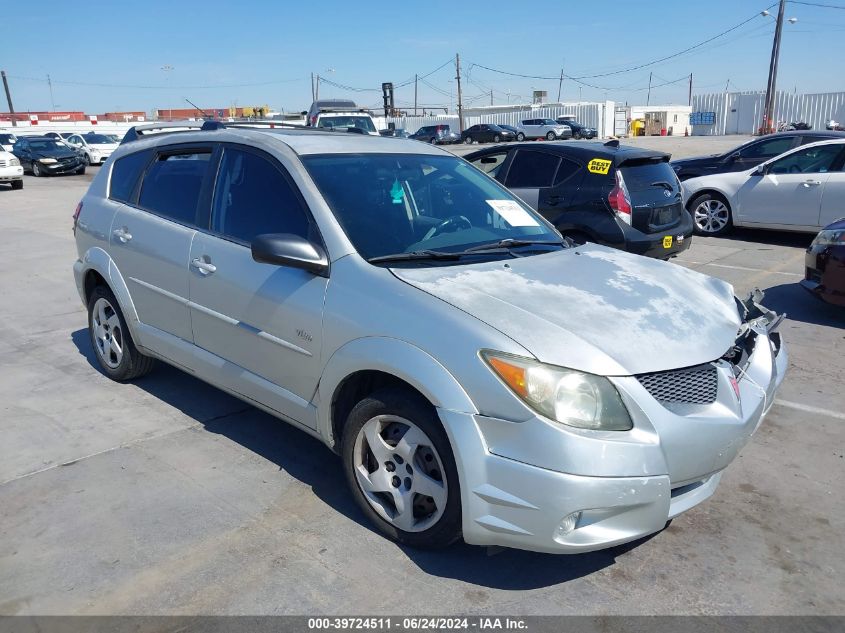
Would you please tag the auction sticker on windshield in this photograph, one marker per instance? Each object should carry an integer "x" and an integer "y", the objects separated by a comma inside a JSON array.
[
  {"x": 514, "y": 214},
  {"x": 599, "y": 166}
]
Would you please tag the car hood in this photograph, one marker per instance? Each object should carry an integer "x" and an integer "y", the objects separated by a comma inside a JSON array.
[
  {"x": 59, "y": 153},
  {"x": 694, "y": 160},
  {"x": 593, "y": 308}
]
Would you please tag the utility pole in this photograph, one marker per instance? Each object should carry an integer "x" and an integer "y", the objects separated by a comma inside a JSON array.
[
  {"x": 416, "y": 77},
  {"x": 560, "y": 85},
  {"x": 9, "y": 98},
  {"x": 460, "y": 104},
  {"x": 768, "y": 112},
  {"x": 648, "y": 97},
  {"x": 313, "y": 98},
  {"x": 317, "y": 88},
  {"x": 689, "y": 100},
  {"x": 491, "y": 96},
  {"x": 52, "y": 101}
]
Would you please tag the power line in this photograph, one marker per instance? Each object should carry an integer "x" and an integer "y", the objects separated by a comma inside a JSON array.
[
  {"x": 818, "y": 4},
  {"x": 632, "y": 68},
  {"x": 156, "y": 87},
  {"x": 428, "y": 74}
]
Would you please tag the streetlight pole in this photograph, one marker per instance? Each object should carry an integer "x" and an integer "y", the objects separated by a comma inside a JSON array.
[
  {"x": 768, "y": 110},
  {"x": 167, "y": 68}
]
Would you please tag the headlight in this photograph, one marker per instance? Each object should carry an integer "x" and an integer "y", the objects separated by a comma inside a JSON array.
[
  {"x": 47, "y": 161},
  {"x": 14, "y": 162},
  {"x": 570, "y": 397},
  {"x": 830, "y": 237}
]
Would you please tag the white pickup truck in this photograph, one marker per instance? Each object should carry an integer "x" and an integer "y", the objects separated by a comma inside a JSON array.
[{"x": 10, "y": 170}]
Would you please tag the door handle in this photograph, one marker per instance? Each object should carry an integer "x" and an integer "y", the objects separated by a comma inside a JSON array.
[
  {"x": 811, "y": 183},
  {"x": 554, "y": 200},
  {"x": 205, "y": 268},
  {"x": 122, "y": 234}
]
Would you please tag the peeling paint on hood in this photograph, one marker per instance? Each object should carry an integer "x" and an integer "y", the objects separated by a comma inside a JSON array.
[{"x": 593, "y": 308}]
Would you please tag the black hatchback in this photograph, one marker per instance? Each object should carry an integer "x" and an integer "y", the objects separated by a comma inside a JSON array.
[{"x": 625, "y": 197}]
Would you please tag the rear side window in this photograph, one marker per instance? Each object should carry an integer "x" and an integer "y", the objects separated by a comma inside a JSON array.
[
  {"x": 532, "y": 169},
  {"x": 566, "y": 170},
  {"x": 253, "y": 197},
  {"x": 124, "y": 175},
  {"x": 768, "y": 148},
  {"x": 172, "y": 185},
  {"x": 647, "y": 175}
]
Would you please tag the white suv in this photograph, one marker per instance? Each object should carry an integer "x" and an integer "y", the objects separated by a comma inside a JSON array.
[{"x": 548, "y": 129}]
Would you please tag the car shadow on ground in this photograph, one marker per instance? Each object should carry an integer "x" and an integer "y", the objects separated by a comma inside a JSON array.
[
  {"x": 315, "y": 465},
  {"x": 800, "y": 305},
  {"x": 774, "y": 238}
]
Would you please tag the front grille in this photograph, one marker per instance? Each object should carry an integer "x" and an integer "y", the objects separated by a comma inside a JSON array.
[
  {"x": 693, "y": 385},
  {"x": 3, "y": 163},
  {"x": 67, "y": 160}
]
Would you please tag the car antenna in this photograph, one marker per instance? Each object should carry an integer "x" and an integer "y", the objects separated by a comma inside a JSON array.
[
  {"x": 198, "y": 109},
  {"x": 614, "y": 142}
]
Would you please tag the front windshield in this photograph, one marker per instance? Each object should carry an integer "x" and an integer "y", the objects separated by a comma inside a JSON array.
[
  {"x": 397, "y": 203},
  {"x": 346, "y": 122},
  {"x": 98, "y": 139},
  {"x": 7, "y": 139},
  {"x": 47, "y": 145}
]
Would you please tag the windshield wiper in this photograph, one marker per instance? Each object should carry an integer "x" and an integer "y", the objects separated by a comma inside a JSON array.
[
  {"x": 664, "y": 184},
  {"x": 414, "y": 255},
  {"x": 510, "y": 243}
]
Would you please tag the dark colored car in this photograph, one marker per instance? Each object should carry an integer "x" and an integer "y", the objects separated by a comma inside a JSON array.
[
  {"x": 748, "y": 155},
  {"x": 398, "y": 132},
  {"x": 625, "y": 197},
  {"x": 824, "y": 273},
  {"x": 43, "y": 155},
  {"x": 519, "y": 134},
  {"x": 579, "y": 130},
  {"x": 487, "y": 133},
  {"x": 440, "y": 134}
]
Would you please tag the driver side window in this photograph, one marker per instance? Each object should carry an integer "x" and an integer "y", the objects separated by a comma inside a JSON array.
[{"x": 813, "y": 160}]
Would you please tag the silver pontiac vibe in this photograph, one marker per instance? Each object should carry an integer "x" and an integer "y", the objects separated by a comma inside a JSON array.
[{"x": 479, "y": 376}]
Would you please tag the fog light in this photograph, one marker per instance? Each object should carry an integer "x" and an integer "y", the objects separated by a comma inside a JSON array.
[{"x": 567, "y": 524}]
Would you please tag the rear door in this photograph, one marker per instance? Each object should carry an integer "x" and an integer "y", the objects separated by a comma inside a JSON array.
[
  {"x": 263, "y": 318},
  {"x": 655, "y": 194},
  {"x": 531, "y": 175},
  {"x": 151, "y": 235},
  {"x": 790, "y": 193}
]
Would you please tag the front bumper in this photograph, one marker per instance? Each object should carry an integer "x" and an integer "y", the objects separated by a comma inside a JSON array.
[
  {"x": 824, "y": 273},
  {"x": 520, "y": 480},
  {"x": 63, "y": 167},
  {"x": 9, "y": 174}
]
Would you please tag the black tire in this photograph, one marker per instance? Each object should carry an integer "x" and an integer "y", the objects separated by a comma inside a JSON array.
[
  {"x": 577, "y": 135},
  {"x": 468, "y": 140},
  {"x": 36, "y": 170},
  {"x": 86, "y": 159},
  {"x": 550, "y": 136},
  {"x": 708, "y": 197},
  {"x": 409, "y": 405},
  {"x": 17, "y": 184},
  {"x": 133, "y": 364},
  {"x": 80, "y": 171},
  {"x": 520, "y": 137},
  {"x": 433, "y": 140},
  {"x": 497, "y": 138}
]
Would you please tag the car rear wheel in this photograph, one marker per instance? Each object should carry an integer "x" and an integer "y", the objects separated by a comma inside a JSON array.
[
  {"x": 550, "y": 136},
  {"x": 468, "y": 140},
  {"x": 400, "y": 467},
  {"x": 711, "y": 215},
  {"x": 116, "y": 353},
  {"x": 433, "y": 140},
  {"x": 576, "y": 135},
  {"x": 36, "y": 169},
  {"x": 520, "y": 137}
]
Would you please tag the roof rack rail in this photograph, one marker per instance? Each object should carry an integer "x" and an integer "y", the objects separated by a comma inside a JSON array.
[{"x": 137, "y": 131}]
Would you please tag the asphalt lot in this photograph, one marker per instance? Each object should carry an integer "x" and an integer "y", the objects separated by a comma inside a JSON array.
[{"x": 169, "y": 497}]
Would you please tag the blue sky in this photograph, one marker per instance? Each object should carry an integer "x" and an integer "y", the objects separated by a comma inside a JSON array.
[{"x": 225, "y": 53}]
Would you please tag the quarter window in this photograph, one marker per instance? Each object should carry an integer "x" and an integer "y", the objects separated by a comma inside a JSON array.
[
  {"x": 253, "y": 197},
  {"x": 531, "y": 169},
  {"x": 172, "y": 185},
  {"x": 124, "y": 175}
]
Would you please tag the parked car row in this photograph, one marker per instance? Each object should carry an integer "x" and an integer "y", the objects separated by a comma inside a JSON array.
[
  {"x": 478, "y": 376},
  {"x": 529, "y": 129},
  {"x": 60, "y": 152}
]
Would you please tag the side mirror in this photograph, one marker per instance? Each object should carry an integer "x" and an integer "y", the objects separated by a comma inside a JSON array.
[
  {"x": 293, "y": 251},
  {"x": 760, "y": 170},
  {"x": 304, "y": 113},
  {"x": 733, "y": 157}
]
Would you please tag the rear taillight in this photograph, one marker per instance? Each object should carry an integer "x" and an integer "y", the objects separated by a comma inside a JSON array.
[
  {"x": 619, "y": 199},
  {"x": 76, "y": 216}
]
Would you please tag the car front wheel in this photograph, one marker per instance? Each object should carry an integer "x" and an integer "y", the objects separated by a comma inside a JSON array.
[
  {"x": 550, "y": 136},
  {"x": 520, "y": 137},
  {"x": 711, "y": 215},
  {"x": 36, "y": 169},
  {"x": 17, "y": 184},
  {"x": 468, "y": 140},
  {"x": 401, "y": 470}
]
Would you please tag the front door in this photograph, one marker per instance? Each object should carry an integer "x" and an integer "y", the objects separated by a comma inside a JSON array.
[
  {"x": 790, "y": 192},
  {"x": 262, "y": 318}
]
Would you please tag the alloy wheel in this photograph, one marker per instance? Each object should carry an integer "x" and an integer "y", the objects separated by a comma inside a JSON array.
[
  {"x": 711, "y": 216},
  {"x": 108, "y": 333},
  {"x": 36, "y": 170},
  {"x": 400, "y": 473}
]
